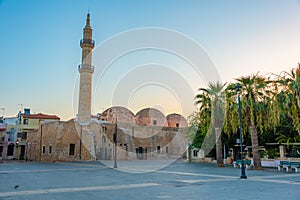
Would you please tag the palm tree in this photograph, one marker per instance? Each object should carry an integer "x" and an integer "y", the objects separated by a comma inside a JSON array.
[
  {"x": 290, "y": 90},
  {"x": 231, "y": 122},
  {"x": 212, "y": 98},
  {"x": 255, "y": 93}
]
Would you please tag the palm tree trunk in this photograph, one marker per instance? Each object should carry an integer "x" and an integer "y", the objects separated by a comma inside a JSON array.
[
  {"x": 219, "y": 147},
  {"x": 254, "y": 141}
]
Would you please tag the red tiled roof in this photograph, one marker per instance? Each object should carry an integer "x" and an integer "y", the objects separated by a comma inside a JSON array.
[{"x": 40, "y": 116}]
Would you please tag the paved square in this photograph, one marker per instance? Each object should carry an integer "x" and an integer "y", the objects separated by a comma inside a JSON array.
[{"x": 142, "y": 180}]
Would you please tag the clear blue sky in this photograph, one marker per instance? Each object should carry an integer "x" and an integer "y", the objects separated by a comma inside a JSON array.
[{"x": 40, "y": 48}]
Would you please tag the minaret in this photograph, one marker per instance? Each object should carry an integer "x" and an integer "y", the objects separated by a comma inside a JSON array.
[{"x": 86, "y": 71}]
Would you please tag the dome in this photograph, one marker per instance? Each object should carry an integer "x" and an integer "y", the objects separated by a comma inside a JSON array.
[
  {"x": 150, "y": 116},
  {"x": 122, "y": 114},
  {"x": 176, "y": 120}
]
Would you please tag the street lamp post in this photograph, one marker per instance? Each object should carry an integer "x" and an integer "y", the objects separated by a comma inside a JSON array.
[
  {"x": 115, "y": 141},
  {"x": 243, "y": 173}
]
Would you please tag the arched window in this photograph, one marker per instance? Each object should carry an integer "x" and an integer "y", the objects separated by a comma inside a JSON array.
[{"x": 103, "y": 139}]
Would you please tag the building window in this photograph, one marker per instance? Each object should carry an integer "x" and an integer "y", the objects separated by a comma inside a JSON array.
[
  {"x": 50, "y": 150},
  {"x": 154, "y": 122},
  {"x": 72, "y": 150},
  {"x": 20, "y": 135},
  {"x": 24, "y": 136},
  {"x": 177, "y": 125},
  {"x": 158, "y": 149},
  {"x": 25, "y": 121},
  {"x": 103, "y": 139},
  {"x": 44, "y": 149}
]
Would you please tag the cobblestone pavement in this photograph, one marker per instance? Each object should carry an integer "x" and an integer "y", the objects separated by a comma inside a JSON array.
[{"x": 142, "y": 180}]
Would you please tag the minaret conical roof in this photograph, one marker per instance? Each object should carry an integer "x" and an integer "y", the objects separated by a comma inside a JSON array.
[{"x": 88, "y": 20}]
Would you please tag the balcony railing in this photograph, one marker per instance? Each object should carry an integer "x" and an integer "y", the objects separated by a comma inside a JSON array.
[
  {"x": 87, "y": 41},
  {"x": 86, "y": 67}
]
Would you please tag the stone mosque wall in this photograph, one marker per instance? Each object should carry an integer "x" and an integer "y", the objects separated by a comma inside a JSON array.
[{"x": 70, "y": 141}]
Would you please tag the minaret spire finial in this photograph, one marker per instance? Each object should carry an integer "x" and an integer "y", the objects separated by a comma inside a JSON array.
[{"x": 88, "y": 19}]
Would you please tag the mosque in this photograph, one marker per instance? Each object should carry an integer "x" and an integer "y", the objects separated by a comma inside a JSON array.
[{"x": 117, "y": 131}]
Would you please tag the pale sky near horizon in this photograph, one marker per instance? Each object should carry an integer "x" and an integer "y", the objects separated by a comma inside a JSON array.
[{"x": 40, "y": 50}]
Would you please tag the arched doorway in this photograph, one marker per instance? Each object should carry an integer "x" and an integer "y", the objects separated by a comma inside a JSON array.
[{"x": 139, "y": 153}]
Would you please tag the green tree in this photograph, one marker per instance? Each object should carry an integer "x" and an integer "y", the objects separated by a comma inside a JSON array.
[
  {"x": 213, "y": 99},
  {"x": 199, "y": 122},
  {"x": 196, "y": 130},
  {"x": 289, "y": 85},
  {"x": 254, "y": 100}
]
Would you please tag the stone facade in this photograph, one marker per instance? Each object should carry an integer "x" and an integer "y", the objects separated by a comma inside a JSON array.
[
  {"x": 33, "y": 146},
  {"x": 70, "y": 141}
]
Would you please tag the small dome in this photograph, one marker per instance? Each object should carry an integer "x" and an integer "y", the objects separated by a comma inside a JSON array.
[
  {"x": 150, "y": 116},
  {"x": 176, "y": 120},
  {"x": 121, "y": 114}
]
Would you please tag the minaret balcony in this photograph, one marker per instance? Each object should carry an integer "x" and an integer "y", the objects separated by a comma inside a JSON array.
[
  {"x": 86, "y": 68},
  {"x": 87, "y": 42}
]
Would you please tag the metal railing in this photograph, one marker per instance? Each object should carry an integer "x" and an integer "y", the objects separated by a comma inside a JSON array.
[
  {"x": 87, "y": 41},
  {"x": 85, "y": 67}
]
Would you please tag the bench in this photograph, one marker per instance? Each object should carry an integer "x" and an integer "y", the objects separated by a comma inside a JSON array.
[
  {"x": 289, "y": 165},
  {"x": 238, "y": 163}
]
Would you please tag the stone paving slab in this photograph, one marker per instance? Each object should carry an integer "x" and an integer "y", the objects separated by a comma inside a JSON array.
[{"x": 176, "y": 180}]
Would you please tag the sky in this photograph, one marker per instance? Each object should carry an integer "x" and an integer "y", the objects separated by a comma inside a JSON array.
[{"x": 40, "y": 50}]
